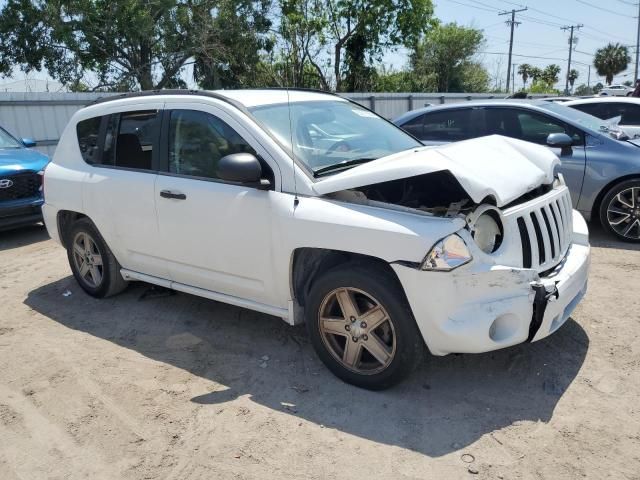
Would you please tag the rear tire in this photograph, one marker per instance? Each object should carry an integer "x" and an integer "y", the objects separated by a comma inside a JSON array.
[
  {"x": 620, "y": 211},
  {"x": 361, "y": 326},
  {"x": 92, "y": 263}
]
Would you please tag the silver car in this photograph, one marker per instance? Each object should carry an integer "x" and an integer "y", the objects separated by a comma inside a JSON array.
[{"x": 600, "y": 165}]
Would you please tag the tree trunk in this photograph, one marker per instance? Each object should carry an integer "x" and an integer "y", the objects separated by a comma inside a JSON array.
[{"x": 336, "y": 66}]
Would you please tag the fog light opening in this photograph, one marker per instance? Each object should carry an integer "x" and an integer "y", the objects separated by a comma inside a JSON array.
[{"x": 504, "y": 328}]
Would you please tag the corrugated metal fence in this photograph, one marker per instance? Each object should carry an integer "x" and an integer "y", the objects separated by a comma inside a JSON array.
[{"x": 42, "y": 116}]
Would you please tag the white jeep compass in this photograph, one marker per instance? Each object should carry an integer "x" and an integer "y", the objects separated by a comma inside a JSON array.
[{"x": 306, "y": 206}]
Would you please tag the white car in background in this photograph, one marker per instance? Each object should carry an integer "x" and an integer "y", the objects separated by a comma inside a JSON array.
[
  {"x": 309, "y": 207},
  {"x": 606, "y": 108},
  {"x": 616, "y": 91}
]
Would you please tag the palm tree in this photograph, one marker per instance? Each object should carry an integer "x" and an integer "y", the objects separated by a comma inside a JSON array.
[
  {"x": 550, "y": 74},
  {"x": 611, "y": 60},
  {"x": 573, "y": 76},
  {"x": 535, "y": 73},
  {"x": 524, "y": 70}
]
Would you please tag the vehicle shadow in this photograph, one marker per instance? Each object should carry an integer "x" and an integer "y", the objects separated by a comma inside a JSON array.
[
  {"x": 446, "y": 405},
  {"x": 598, "y": 237},
  {"x": 21, "y": 237}
]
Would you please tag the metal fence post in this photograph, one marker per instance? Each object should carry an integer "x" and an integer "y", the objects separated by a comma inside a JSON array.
[
  {"x": 372, "y": 103},
  {"x": 410, "y": 99},
  {"x": 442, "y": 99}
]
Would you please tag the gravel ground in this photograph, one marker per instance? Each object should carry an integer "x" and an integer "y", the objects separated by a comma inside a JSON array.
[{"x": 142, "y": 386}]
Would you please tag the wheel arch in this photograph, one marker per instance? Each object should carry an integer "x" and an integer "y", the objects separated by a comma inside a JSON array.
[
  {"x": 65, "y": 219},
  {"x": 307, "y": 264}
]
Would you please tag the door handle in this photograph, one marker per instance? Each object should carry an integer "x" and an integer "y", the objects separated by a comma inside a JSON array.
[{"x": 170, "y": 194}]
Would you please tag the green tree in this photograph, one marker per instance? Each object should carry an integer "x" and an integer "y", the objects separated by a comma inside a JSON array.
[
  {"x": 367, "y": 27},
  {"x": 550, "y": 74},
  {"x": 611, "y": 60},
  {"x": 525, "y": 70},
  {"x": 231, "y": 43},
  {"x": 446, "y": 51},
  {"x": 573, "y": 76},
  {"x": 535, "y": 73},
  {"x": 128, "y": 44},
  {"x": 583, "y": 90}
]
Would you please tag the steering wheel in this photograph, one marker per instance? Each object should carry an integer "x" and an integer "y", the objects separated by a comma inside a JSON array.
[{"x": 339, "y": 146}]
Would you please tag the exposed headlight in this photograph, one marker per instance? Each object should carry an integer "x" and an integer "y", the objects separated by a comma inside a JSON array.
[
  {"x": 487, "y": 231},
  {"x": 449, "y": 253}
]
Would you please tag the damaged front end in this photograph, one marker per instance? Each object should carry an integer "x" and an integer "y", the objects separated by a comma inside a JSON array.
[{"x": 516, "y": 269}]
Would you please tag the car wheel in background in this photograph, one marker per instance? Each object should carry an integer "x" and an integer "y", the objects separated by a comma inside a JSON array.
[
  {"x": 620, "y": 210},
  {"x": 92, "y": 263},
  {"x": 361, "y": 326}
]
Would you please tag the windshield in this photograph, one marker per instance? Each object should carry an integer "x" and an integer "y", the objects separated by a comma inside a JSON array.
[
  {"x": 332, "y": 135},
  {"x": 7, "y": 141},
  {"x": 584, "y": 119}
]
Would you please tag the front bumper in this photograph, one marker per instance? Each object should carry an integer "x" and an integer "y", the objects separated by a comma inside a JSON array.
[
  {"x": 484, "y": 308},
  {"x": 18, "y": 213}
]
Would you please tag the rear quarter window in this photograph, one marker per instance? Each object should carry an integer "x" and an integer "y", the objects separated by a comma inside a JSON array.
[{"x": 88, "y": 132}]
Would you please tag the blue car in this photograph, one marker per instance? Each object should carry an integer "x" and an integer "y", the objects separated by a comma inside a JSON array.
[
  {"x": 600, "y": 165},
  {"x": 20, "y": 182}
]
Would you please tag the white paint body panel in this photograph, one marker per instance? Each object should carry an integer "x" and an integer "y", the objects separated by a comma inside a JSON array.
[{"x": 236, "y": 244}]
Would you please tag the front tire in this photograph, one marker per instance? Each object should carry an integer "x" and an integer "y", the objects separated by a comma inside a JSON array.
[
  {"x": 361, "y": 326},
  {"x": 92, "y": 263},
  {"x": 620, "y": 210}
]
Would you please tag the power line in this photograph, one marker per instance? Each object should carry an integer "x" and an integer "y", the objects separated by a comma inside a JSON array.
[{"x": 584, "y": 2}]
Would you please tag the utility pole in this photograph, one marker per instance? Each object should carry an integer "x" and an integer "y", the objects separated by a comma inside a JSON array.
[
  {"x": 570, "y": 27},
  {"x": 512, "y": 23},
  {"x": 637, "y": 46},
  {"x": 513, "y": 77},
  {"x": 589, "y": 77}
]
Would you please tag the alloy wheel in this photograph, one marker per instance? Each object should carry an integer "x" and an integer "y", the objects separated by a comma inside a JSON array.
[
  {"x": 623, "y": 213},
  {"x": 87, "y": 259},
  {"x": 357, "y": 330}
]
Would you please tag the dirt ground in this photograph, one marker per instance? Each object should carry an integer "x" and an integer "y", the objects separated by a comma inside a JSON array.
[{"x": 179, "y": 387}]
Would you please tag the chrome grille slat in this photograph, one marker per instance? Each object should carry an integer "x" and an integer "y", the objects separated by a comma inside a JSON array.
[
  {"x": 546, "y": 241},
  {"x": 559, "y": 224},
  {"x": 544, "y": 228},
  {"x": 553, "y": 228}
]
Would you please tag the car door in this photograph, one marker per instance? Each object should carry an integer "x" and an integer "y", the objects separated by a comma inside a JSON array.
[
  {"x": 535, "y": 127},
  {"x": 215, "y": 235},
  {"x": 119, "y": 187}
]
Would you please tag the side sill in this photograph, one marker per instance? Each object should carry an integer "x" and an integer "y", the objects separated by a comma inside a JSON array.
[{"x": 201, "y": 292}]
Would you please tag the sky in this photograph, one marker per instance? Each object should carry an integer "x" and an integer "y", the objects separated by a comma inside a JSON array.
[
  {"x": 538, "y": 39},
  {"x": 539, "y": 33}
]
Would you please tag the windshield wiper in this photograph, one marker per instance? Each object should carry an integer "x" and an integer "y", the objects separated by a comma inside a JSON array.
[{"x": 341, "y": 165}]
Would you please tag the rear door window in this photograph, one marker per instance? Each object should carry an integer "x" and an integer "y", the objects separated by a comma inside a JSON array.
[
  {"x": 448, "y": 125},
  {"x": 131, "y": 140}
]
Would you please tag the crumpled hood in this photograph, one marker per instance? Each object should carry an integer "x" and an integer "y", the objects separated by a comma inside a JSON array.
[{"x": 497, "y": 166}]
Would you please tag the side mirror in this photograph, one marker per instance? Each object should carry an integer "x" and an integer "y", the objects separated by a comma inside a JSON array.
[
  {"x": 560, "y": 140},
  {"x": 242, "y": 168},
  {"x": 29, "y": 142}
]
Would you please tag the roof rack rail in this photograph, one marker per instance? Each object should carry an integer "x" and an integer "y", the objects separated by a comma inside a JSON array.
[{"x": 151, "y": 93}]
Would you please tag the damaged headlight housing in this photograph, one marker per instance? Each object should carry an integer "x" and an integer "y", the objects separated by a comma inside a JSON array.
[
  {"x": 449, "y": 253},
  {"x": 487, "y": 232},
  {"x": 486, "y": 228}
]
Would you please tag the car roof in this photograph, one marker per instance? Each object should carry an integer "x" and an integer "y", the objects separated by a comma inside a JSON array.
[
  {"x": 607, "y": 99},
  {"x": 525, "y": 103}
]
